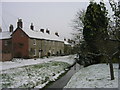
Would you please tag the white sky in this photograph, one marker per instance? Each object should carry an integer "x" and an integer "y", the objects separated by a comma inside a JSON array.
[
  {"x": 57, "y": 15},
  {"x": 47, "y": 0}
]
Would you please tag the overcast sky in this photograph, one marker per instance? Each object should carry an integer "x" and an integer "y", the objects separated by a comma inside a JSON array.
[{"x": 57, "y": 16}]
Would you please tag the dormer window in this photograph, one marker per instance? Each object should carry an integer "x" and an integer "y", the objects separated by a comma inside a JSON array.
[{"x": 34, "y": 41}]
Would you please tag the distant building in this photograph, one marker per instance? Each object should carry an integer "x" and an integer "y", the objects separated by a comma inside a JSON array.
[
  {"x": 5, "y": 45},
  {"x": 67, "y": 47},
  {"x": 30, "y": 43}
]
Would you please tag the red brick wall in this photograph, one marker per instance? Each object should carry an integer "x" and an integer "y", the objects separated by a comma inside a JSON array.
[
  {"x": 20, "y": 44},
  {"x": 6, "y": 46},
  {"x": 0, "y": 50},
  {"x": 5, "y": 56},
  {"x": 5, "y": 50},
  {"x": 0, "y": 46}
]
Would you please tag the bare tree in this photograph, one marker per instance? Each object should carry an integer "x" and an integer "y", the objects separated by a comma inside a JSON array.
[
  {"x": 115, "y": 26},
  {"x": 77, "y": 25}
]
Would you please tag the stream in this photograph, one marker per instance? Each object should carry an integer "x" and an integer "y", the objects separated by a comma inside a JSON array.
[{"x": 62, "y": 81}]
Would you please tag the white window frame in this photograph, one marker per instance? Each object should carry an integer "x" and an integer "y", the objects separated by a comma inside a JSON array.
[
  {"x": 34, "y": 41},
  {"x": 6, "y": 43},
  {"x": 34, "y": 52}
]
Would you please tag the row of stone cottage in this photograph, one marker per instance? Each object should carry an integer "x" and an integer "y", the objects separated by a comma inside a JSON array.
[{"x": 30, "y": 43}]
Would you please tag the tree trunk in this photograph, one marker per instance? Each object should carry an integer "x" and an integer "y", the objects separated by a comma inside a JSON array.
[
  {"x": 119, "y": 64},
  {"x": 111, "y": 69}
]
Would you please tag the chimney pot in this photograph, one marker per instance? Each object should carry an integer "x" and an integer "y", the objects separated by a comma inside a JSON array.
[
  {"x": 31, "y": 26},
  {"x": 47, "y": 31},
  {"x": 0, "y": 29},
  {"x": 64, "y": 39},
  {"x": 56, "y": 33},
  {"x": 19, "y": 23},
  {"x": 42, "y": 30},
  {"x": 11, "y": 28}
]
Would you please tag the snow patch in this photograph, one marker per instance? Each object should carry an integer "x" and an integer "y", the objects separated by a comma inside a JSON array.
[
  {"x": 94, "y": 76},
  {"x": 25, "y": 62}
]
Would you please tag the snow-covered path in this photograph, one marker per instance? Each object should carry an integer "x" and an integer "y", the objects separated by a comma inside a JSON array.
[
  {"x": 94, "y": 76},
  {"x": 25, "y": 62}
]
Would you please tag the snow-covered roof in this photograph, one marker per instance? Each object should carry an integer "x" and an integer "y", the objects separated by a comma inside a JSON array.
[
  {"x": 33, "y": 34},
  {"x": 5, "y": 35},
  {"x": 40, "y": 35},
  {"x": 65, "y": 42}
]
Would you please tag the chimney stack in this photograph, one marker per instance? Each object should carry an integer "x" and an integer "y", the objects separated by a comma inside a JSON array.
[
  {"x": 47, "y": 31},
  {"x": 64, "y": 39},
  {"x": 31, "y": 26},
  {"x": 56, "y": 33},
  {"x": 0, "y": 29},
  {"x": 11, "y": 28},
  {"x": 19, "y": 23},
  {"x": 42, "y": 30}
]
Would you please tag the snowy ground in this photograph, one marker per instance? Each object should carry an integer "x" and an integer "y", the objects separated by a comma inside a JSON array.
[
  {"x": 32, "y": 73},
  {"x": 25, "y": 62},
  {"x": 94, "y": 76}
]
